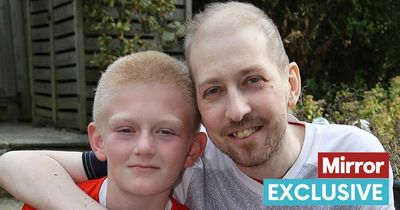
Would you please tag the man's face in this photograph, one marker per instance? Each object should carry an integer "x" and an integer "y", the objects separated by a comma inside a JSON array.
[
  {"x": 146, "y": 133},
  {"x": 241, "y": 95}
]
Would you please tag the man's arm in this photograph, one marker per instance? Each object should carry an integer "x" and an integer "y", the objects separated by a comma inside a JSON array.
[{"x": 46, "y": 179}]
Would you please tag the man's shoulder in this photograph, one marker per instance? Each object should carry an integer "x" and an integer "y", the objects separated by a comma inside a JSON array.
[
  {"x": 344, "y": 138},
  {"x": 343, "y": 132}
]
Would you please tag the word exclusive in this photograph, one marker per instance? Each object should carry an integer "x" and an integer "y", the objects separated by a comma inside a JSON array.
[
  {"x": 300, "y": 192},
  {"x": 349, "y": 178}
]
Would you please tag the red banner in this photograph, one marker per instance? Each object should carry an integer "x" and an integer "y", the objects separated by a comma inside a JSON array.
[{"x": 353, "y": 165}]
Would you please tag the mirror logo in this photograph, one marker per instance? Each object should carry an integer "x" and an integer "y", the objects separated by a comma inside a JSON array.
[{"x": 351, "y": 178}]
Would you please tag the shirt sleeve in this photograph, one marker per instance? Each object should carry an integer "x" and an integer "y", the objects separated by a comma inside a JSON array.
[{"x": 94, "y": 168}]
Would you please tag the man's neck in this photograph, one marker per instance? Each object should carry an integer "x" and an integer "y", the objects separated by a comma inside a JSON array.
[
  {"x": 117, "y": 199},
  {"x": 283, "y": 159}
]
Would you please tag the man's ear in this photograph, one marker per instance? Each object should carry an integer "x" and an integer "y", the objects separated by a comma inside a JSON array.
[
  {"x": 196, "y": 149},
  {"x": 294, "y": 85},
  {"x": 96, "y": 141}
]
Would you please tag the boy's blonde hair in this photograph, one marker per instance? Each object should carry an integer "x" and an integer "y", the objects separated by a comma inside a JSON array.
[
  {"x": 231, "y": 15},
  {"x": 147, "y": 66}
]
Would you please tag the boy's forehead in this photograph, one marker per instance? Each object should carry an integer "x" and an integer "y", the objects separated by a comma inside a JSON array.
[
  {"x": 154, "y": 103},
  {"x": 125, "y": 117},
  {"x": 162, "y": 95},
  {"x": 157, "y": 87}
]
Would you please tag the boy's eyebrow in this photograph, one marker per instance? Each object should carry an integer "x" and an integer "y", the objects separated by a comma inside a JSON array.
[
  {"x": 172, "y": 120},
  {"x": 119, "y": 118},
  {"x": 166, "y": 119}
]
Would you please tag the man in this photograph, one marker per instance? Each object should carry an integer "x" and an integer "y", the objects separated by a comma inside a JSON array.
[{"x": 245, "y": 87}]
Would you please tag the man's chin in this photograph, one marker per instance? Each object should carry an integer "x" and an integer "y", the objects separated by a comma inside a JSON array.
[
  {"x": 247, "y": 160},
  {"x": 253, "y": 155}
]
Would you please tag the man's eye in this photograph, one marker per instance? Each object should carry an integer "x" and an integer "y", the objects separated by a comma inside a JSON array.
[
  {"x": 253, "y": 80},
  {"x": 212, "y": 91}
]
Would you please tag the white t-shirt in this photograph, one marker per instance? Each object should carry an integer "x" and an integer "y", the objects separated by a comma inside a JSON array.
[{"x": 215, "y": 182}]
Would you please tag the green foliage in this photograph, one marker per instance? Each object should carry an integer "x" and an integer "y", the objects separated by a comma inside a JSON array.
[
  {"x": 114, "y": 20},
  {"x": 353, "y": 42},
  {"x": 380, "y": 106},
  {"x": 309, "y": 109}
]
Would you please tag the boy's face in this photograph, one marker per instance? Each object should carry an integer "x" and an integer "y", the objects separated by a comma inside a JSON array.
[
  {"x": 146, "y": 132},
  {"x": 242, "y": 96}
]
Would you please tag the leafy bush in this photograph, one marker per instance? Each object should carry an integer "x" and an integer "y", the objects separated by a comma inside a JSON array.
[
  {"x": 114, "y": 20},
  {"x": 357, "y": 46},
  {"x": 309, "y": 109},
  {"x": 379, "y": 105}
]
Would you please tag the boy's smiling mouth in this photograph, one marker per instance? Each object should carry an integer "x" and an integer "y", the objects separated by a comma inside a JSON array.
[{"x": 144, "y": 167}]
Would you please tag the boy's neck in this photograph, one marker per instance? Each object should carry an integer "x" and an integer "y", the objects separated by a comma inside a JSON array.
[{"x": 120, "y": 200}]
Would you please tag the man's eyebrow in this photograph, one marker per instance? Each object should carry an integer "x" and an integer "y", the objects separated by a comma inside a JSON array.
[
  {"x": 208, "y": 81},
  {"x": 252, "y": 68}
]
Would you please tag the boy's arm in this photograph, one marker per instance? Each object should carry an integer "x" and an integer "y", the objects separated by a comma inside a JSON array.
[{"x": 46, "y": 179}]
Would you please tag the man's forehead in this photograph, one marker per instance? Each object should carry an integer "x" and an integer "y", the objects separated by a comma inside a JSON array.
[
  {"x": 224, "y": 34},
  {"x": 232, "y": 45}
]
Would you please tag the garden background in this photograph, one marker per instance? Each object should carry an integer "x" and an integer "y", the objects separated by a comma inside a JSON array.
[{"x": 54, "y": 50}]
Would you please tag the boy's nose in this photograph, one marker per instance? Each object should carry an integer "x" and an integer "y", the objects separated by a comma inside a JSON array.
[
  {"x": 144, "y": 145},
  {"x": 236, "y": 106}
]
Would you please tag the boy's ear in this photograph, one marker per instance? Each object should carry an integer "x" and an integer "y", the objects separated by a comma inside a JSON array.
[
  {"x": 96, "y": 142},
  {"x": 294, "y": 85},
  {"x": 196, "y": 149}
]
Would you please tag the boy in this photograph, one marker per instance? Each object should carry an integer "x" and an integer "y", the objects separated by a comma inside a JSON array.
[{"x": 145, "y": 125}]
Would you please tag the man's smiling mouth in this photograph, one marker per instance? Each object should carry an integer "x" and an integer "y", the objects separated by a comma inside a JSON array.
[{"x": 245, "y": 133}]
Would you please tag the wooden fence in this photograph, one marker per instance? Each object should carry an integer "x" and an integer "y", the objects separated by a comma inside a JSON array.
[
  {"x": 60, "y": 47},
  {"x": 14, "y": 80}
]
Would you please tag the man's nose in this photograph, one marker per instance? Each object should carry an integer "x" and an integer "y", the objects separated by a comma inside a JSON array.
[
  {"x": 237, "y": 106},
  {"x": 145, "y": 145}
]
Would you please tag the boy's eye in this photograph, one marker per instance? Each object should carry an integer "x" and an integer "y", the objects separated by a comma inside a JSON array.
[
  {"x": 166, "y": 132},
  {"x": 126, "y": 130}
]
